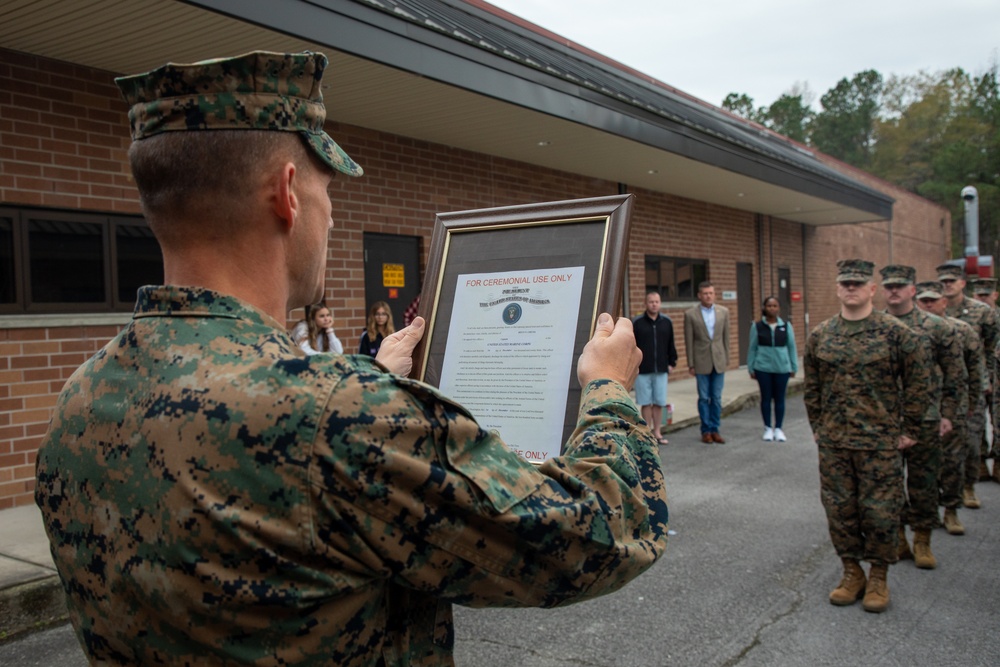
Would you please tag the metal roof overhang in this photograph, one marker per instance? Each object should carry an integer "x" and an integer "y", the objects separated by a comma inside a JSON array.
[{"x": 391, "y": 74}]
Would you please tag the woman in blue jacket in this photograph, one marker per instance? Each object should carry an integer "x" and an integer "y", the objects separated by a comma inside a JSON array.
[{"x": 772, "y": 360}]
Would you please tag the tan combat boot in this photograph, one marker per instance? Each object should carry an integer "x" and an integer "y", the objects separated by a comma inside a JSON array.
[
  {"x": 969, "y": 497},
  {"x": 922, "y": 550},
  {"x": 904, "y": 546},
  {"x": 952, "y": 523},
  {"x": 877, "y": 592},
  {"x": 851, "y": 586}
]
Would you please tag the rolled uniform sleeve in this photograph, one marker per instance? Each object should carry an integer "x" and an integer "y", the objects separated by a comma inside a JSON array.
[
  {"x": 812, "y": 385},
  {"x": 955, "y": 377},
  {"x": 438, "y": 505},
  {"x": 919, "y": 387}
]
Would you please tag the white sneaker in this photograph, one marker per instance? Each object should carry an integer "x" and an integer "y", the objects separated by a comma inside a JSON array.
[
  {"x": 768, "y": 434},
  {"x": 779, "y": 435}
]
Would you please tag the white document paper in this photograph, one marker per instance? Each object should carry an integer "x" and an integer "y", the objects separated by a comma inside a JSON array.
[{"x": 510, "y": 354}]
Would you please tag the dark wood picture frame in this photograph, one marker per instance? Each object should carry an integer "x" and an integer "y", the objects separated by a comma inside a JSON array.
[{"x": 592, "y": 233}]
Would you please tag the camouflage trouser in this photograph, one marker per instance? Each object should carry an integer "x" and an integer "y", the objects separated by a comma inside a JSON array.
[
  {"x": 976, "y": 428},
  {"x": 923, "y": 467},
  {"x": 862, "y": 493},
  {"x": 952, "y": 476}
]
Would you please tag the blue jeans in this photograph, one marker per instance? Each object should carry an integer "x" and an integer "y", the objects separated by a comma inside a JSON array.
[
  {"x": 772, "y": 388},
  {"x": 710, "y": 400}
]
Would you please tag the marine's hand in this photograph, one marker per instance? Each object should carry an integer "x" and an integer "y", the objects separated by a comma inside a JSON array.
[
  {"x": 946, "y": 427},
  {"x": 611, "y": 354},
  {"x": 905, "y": 442},
  {"x": 396, "y": 352}
]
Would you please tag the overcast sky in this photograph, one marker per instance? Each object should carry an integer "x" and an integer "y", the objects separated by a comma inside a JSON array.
[{"x": 713, "y": 47}]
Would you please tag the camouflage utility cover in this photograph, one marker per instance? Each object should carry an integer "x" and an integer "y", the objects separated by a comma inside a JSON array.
[
  {"x": 984, "y": 285},
  {"x": 950, "y": 272},
  {"x": 214, "y": 497},
  {"x": 854, "y": 270},
  {"x": 898, "y": 274},
  {"x": 256, "y": 91},
  {"x": 866, "y": 382}
]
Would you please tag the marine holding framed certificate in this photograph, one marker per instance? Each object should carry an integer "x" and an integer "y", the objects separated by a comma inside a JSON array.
[{"x": 511, "y": 296}]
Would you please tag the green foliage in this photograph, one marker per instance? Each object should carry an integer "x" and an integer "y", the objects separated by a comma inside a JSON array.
[
  {"x": 741, "y": 104},
  {"x": 845, "y": 128},
  {"x": 789, "y": 115},
  {"x": 931, "y": 133}
]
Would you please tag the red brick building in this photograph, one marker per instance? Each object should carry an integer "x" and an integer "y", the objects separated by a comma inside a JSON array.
[{"x": 448, "y": 106}]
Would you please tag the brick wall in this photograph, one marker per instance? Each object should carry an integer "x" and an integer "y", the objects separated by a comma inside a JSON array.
[
  {"x": 34, "y": 364},
  {"x": 63, "y": 142},
  {"x": 63, "y": 137},
  {"x": 406, "y": 183}
]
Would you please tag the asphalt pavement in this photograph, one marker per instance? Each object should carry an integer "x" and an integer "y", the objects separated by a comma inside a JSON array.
[{"x": 744, "y": 580}]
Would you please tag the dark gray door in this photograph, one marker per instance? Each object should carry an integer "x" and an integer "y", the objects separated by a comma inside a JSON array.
[
  {"x": 785, "y": 293},
  {"x": 392, "y": 272},
  {"x": 745, "y": 304}
]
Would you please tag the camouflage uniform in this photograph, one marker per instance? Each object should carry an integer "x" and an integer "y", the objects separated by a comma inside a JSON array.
[
  {"x": 949, "y": 379},
  {"x": 866, "y": 384},
  {"x": 955, "y": 444},
  {"x": 212, "y": 495},
  {"x": 982, "y": 318},
  {"x": 987, "y": 448}
]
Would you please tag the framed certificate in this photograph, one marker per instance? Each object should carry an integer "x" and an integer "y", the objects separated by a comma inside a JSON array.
[{"x": 511, "y": 297}]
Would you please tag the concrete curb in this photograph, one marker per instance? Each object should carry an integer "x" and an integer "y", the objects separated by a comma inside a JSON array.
[
  {"x": 31, "y": 606},
  {"x": 738, "y": 404}
]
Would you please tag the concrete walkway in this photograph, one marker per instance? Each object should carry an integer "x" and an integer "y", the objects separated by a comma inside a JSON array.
[
  {"x": 30, "y": 593},
  {"x": 739, "y": 392}
]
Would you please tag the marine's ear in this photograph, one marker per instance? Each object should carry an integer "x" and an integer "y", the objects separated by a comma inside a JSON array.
[{"x": 284, "y": 202}]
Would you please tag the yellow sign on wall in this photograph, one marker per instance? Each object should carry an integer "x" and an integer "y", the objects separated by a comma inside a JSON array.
[{"x": 393, "y": 275}]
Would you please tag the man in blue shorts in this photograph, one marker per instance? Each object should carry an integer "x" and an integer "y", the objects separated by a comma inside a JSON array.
[{"x": 654, "y": 335}]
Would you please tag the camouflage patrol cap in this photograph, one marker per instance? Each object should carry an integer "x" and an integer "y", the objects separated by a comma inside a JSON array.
[
  {"x": 898, "y": 274},
  {"x": 950, "y": 272},
  {"x": 930, "y": 289},
  {"x": 984, "y": 285},
  {"x": 256, "y": 91},
  {"x": 854, "y": 270}
]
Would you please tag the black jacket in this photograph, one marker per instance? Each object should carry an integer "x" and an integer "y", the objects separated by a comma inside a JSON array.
[{"x": 656, "y": 340}]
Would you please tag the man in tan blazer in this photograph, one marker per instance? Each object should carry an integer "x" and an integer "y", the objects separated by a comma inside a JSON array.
[{"x": 706, "y": 337}]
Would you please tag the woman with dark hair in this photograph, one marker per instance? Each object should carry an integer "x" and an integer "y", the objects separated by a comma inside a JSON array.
[
  {"x": 772, "y": 360},
  {"x": 379, "y": 326},
  {"x": 315, "y": 333}
]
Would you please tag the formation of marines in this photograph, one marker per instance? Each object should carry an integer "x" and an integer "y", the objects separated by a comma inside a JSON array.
[{"x": 897, "y": 402}]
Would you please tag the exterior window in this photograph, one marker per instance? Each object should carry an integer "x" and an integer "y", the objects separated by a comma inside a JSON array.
[
  {"x": 137, "y": 252},
  {"x": 66, "y": 260},
  {"x": 72, "y": 262},
  {"x": 675, "y": 278},
  {"x": 7, "y": 270}
]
